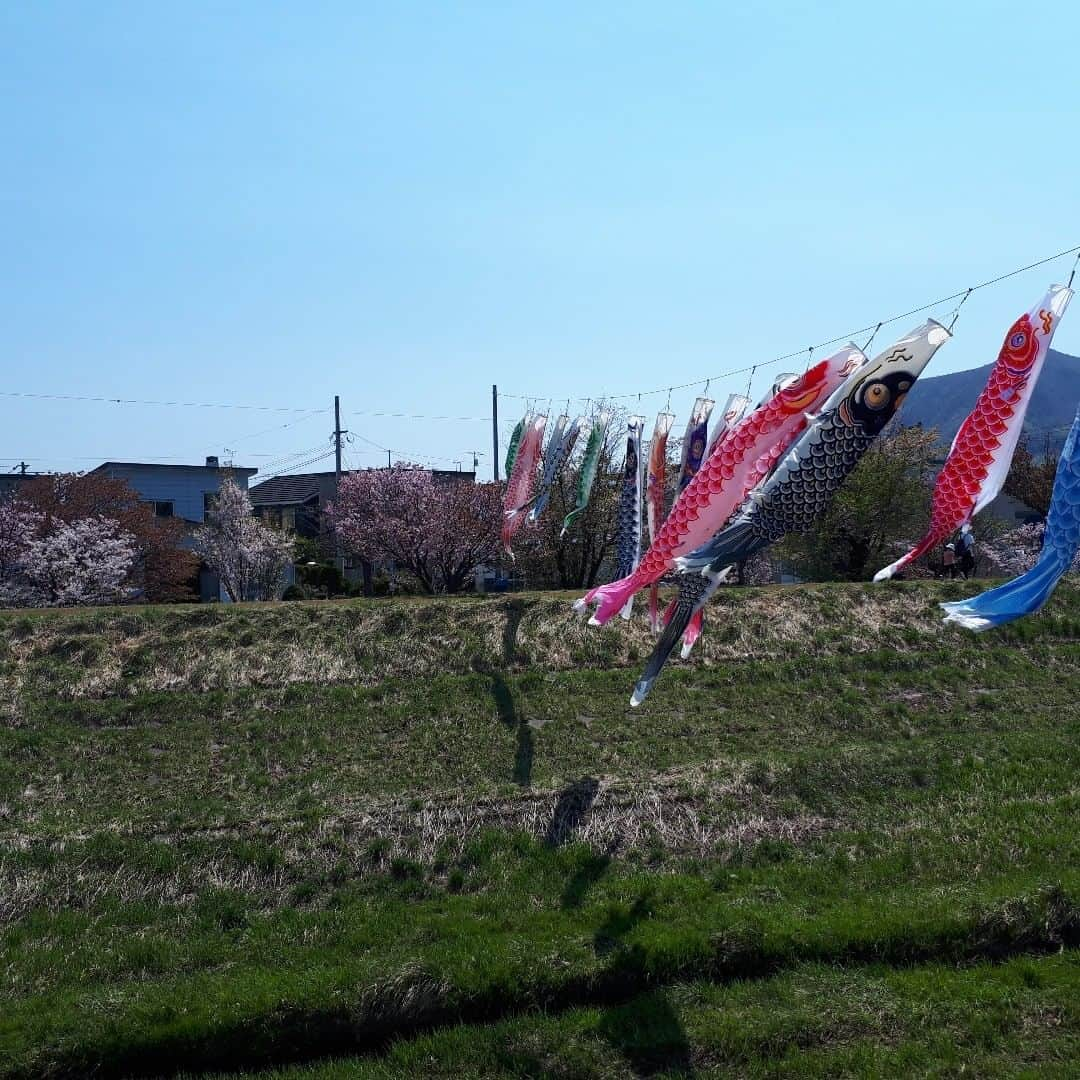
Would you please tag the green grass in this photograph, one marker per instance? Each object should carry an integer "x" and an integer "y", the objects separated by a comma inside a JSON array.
[{"x": 434, "y": 834}]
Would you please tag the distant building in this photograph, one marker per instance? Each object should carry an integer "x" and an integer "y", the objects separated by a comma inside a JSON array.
[
  {"x": 183, "y": 491},
  {"x": 187, "y": 492}
]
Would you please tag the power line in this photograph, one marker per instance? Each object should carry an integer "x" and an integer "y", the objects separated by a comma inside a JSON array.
[
  {"x": 103, "y": 400},
  {"x": 962, "y": 295}
]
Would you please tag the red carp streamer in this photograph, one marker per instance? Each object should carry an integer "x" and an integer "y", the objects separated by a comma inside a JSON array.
[
  {"x": 519, "y": 488},
  {"x": 982, "y": 451}
]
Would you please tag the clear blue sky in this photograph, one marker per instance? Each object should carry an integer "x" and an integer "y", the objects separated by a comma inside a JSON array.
[{"x": 403, "y": 203}]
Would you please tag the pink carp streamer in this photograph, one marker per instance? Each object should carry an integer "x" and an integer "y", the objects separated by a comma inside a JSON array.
[
  {"x": 519, "y": 487},
  {"x": 654, "y": 494},
  {"x": 695, "y": 440},
  {"x": 982, "y": 451},
  {"x": 741, "y": 460}
]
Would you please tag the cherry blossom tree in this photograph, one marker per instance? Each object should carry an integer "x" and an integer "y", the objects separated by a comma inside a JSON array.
[
  {"x": 248, "y": 556},
  {"x": 80, "y": 562},
  {"x": 19, "y": 524},
  {"x": 438, "y": 531},
  {"x": 163, "y": 570},
  {"x": 1017, "y": 551}
]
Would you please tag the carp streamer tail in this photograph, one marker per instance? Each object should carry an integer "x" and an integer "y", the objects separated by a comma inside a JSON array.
[{"x": 1061, "y": 541}]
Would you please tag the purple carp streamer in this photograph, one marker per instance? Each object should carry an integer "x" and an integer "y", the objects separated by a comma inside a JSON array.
[
  {"x": 519, "y": 487},
  {"x": 695, "y": 441},
  {"x": 804, "y": 482},
  {"x": 587, "y": 473},
  {"x": 979, "y": 458},
  {"x": 560, "y": 446},
  {"x": 628, "y": 522},
  {"x": 654, "y": 496},
  {"x": 1027, "y": 593}
]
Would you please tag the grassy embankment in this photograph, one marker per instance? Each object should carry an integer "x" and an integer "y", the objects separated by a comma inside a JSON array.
[{"x": 434, "y": 836}]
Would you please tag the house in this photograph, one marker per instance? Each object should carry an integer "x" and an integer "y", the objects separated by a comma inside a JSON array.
[
  {"x": 294, "y": 502},
  {"x": 183, "y": 491},
  {"x": 180, "y": 491}
]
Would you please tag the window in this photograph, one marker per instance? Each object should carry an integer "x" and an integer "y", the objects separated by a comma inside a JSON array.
[
  {"x": 209, "y": 502},
  {"x": 163, "y": 508}
]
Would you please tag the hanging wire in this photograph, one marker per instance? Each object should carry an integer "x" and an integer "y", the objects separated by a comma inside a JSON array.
[
  {"x": 750, "y": 379},
  {"x": 962, "y": 294},
  {"x": 1072, "y": 272},
  {"x": 870, "y": 339},
  {"x": 956, "y": 310}
]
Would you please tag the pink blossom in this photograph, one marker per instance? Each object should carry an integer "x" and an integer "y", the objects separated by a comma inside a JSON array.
[
  {"x": 438, "y": 531},
  {"x": 249, "y": 557},
  {"x": 80, "y": 562}
]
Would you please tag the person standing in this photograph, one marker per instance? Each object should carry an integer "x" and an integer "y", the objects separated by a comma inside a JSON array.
[
  {"x": 949, "y": 561},
  {"x": 967, "y": 552}
]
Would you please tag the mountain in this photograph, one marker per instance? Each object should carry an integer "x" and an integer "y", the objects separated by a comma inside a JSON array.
[{"x": 943, "y": 401}]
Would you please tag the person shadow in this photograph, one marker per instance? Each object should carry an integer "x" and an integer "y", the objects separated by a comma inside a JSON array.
[
  {"x": 571, "y": 807},
  {"x": 502, "y": 695},
  {"x": 648, "y": 1033}
]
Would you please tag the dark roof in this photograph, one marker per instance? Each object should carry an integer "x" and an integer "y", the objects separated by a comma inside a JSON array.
[
  {"x": 157, "y": 465},
  {"x": 286, "y": 490}
]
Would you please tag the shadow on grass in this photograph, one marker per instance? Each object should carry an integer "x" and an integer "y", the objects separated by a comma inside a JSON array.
[
  {"x": 573, "y": 804},
  {"x": 578, "y": 884},
  {"x": 648, "y": 1033},
  {"x": 503, "y": 697},
  {"x": 619, "y": 922}
]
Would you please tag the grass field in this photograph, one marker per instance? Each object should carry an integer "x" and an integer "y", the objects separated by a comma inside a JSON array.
[{"x": 414, "y": 837}]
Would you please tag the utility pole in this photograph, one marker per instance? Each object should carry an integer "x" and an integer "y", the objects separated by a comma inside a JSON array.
[
  {"x": 495, "y": 430},
  {"x": 388, "y": 465},
  {"x": 340, "y": 558},
  {"x": 337, "y": 446}
]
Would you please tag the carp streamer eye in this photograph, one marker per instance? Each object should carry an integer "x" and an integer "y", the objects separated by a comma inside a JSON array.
[
  {"x": 1018, "y": 340},
  {"x": 877, "y": 396}
]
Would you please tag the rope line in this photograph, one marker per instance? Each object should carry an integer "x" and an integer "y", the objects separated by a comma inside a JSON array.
[{"x": 962, "y": 295}]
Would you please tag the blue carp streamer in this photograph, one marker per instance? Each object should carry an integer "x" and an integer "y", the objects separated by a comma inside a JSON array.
[{"x": 1027, "y": 593}]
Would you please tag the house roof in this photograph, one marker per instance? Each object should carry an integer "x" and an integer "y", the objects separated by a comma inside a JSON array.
[
  {"x": 183, "y": 468},
  {"x": 292, "y": 490}
]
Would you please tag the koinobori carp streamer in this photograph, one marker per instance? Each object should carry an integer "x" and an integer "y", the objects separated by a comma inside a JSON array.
[
  {"x": 655, "y": 479},
  {"x": 734, "y": 410},
  {"x": 560, "y": 446},
  {"x": 695, "y": 440},
  {"x": 628, "y": 521},
  {"x": 1027, "y": 593},
  {"x": 979, "y": 459},
  {"x": 515, "y": 440},
  {"x": 804, "y": 482},
  {"x": 587, "y": 472},
  {"x": 742, "y": 458},
  {"x": 519, "y": 487}
]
